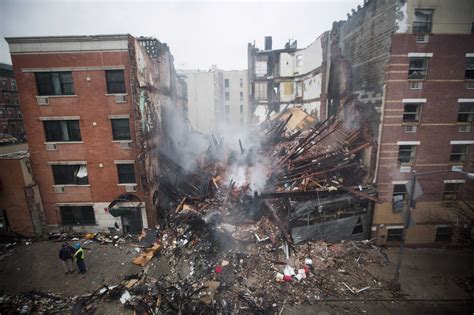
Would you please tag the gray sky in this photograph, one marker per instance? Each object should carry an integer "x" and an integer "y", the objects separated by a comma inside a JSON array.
[{"x": 199, "y": 33}]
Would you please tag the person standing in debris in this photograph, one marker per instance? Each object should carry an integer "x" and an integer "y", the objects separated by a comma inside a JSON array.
[
  {"x": 79, "y": 258},
  {"x": 65, "y": 254}
]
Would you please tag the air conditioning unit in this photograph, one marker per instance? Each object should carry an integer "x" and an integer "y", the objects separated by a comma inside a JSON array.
[
  {"x": 130, "y": 188},
  {"x": 416, "y": 85},
  {"x": 405, "y": 169},
  {"x": 59, "y": 189},
  {"x": 470, "y": 85},
  {"x": 465, "y": 128},
  {"x": 456, "y": 168},
  {"x": 51, "y": 146},
  {"x": 126, "y": 145},
  {"x": 42, "y": 100},
  {"x": 410, "y": 129},
  {"x": 120, "y": 99},
  {"x": 420, "y": 39}
]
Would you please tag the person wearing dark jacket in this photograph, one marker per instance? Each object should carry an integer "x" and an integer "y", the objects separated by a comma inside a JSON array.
[
  {"x": 65, "y": 254},
  {"x": 79, "y": 258}
]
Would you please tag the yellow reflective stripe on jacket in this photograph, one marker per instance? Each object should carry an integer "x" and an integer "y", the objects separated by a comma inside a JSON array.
[{"x": 81, "y": 252}]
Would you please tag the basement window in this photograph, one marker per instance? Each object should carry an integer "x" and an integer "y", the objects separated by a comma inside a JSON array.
[
  {"x": 451, "y": 191},
  {"x": 394, "y": 235},
  {"x": 62, "y": 130},
  {"x": 458, "y": 153},
  {"x": 406, "y": 154},
  {"x": 120, "y": 129},
  {"x": 466, "y": 113},
  {"x": 126, "y": 173},
  {"x": 444, "y": 234},
  {"x": 469, "y": 74},
  {"x": 115, "y": 81},
  {"x": 70, "y": 174},
  {"x": 54, "y": 83},
  {"x": 417, "y": 68},
  {"x": 77, "y": 215},
  {"x": 411, "y": 113}
]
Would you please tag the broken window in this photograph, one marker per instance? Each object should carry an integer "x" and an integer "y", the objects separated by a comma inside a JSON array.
[
  {"x": 394, "y": 235},
  {"x": 115, "y": 81},
  {"x": 261, "y": 91},
  {"x": 126, "y": 173},
  {"x": 226, "y": 83},
  {"x": 241, "y": 96},
  {"x": 417, "y": 68},
  {"x": 261, "y": 68},
  {"x": 423, "y": 21},
  {"x": 227, "y": 96},
  {"x": 411, "y": 113},
  {"x": 444, "y": 234},
  {"x": 121, "y": 129},
  {"x": 469, "y": 75},
  {"x": 451, "y": 191},
  {"x": 70, "y": 174},
  {"x": 62, "y": 130},
  {"x": 54, "y": 83},
  {"x": 466, "y": 112},
  {"x": 77, "y": 215},
  {"x": 459, "y": 153},
  {"x": 406, "y": 154},
  {"x": 358, "y": 228}
]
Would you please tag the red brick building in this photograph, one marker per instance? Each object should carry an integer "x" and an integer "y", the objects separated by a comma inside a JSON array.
[
  {"x": 11, "y": 124},
  {"x": 85, "y": 123}
]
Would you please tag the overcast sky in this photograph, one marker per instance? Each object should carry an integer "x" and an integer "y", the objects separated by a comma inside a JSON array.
[{"x": 199, "y": 33}]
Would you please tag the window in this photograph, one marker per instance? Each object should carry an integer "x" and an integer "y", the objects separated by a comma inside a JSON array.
[
  {"x": 115, "y": 81},
  {"x": 241, "y": 96},
  {"x": 400, "y": 190},
  {"x": 15, "y": 99},
  {"x": 241, "y": 83},
  {"x": 4, "y": 84},
  {"x": 241, "y": 121},
  {"x": 70, "y": 175},
  {"x": 444, "y": 234},
  {"x": 394, "y": 235},
  {"x": 126, "y": 173},
  {"x": 10, "y": 112},
  {"x": 417, "y": 68},
  {"x": 299, "y": 89},
  {"x": 406, "y": 154},
  {"x": 358, "y": 228},
  {"x": 469, "y": 75},
  {"x": 13, "y": 84},
  {"x": 6, "y": 98},
  {"x": 261, "y": 91},
  {"x": 422, "y": 21},
  {"x": 227, "y": 96},
  {"x": 241, "y": 108},
  {"x": 2, "y": 112},
  {"x": 451, "y": 191},
  {"x": 458, "y": 153},
  {"x": 18, "y": 113},
  {"x": 54, "y": 83},
  {"x": 121, "y": 129},
  {"x": 227, "y": 109},
  {"x": 299, "y": 60},
  {"x": 411, "y": 113},
  {"x": 261, "y": 67},
  {"x": 466, "y": 112},
  {"x": 77, "y": 215},
  {"x": 62, "y": 130},
  {"x": 399, "y": 197},
  {"x": 226, "y": 83}
]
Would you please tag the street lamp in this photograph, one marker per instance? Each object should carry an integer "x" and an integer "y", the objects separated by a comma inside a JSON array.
[{"x": 407, "y": 214}]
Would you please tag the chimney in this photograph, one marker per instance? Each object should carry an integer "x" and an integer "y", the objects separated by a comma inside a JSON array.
[{"x": 268, "y": 43}]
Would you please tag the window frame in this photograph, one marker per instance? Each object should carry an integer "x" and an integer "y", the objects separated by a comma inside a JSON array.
[
  {"x": 394, "y": 238},
  {"x": 442, "y": 239},
  {"x": 417, "y": 113},
  {"x": 423, "y": 70},
  {"x": 468, "y": 112},
  {"x": 427, "y": 28},
  {"x": 412, "y": 154},
  {"x": 55, "y": 169},
  {"x": 123, "y": 177},
  {"x": 469, "y": 70},
  {"x": 462, "y": 155},
  {"x": 261, "y": 90},
  {"x": 450, "y": 193},
  {"x": 110, "y": 90},
  {"x": 227, "y": 96},
  {"x": 241, "y": 83},
  {"x": 226, "y": 83},
  {"x": 86, "y": 219},
  {"x": 114, "y": 130},
  {"x": 241, "y": 95},
  {"x": 53, "y": 87},
  {"x": 71, "y": 126}
]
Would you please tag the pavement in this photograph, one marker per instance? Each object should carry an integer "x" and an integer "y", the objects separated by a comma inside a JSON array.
[{"x": 433, "y": 281}]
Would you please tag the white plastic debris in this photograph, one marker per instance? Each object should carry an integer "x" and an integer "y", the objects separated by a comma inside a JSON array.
[
  {"x": 289, "y": 271},
  {"x": 302, "y": 272},
  {"x": 308, "y": 261},
  {"x": 279, "y": 277},
  {"x": 125, "y": 297}
]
